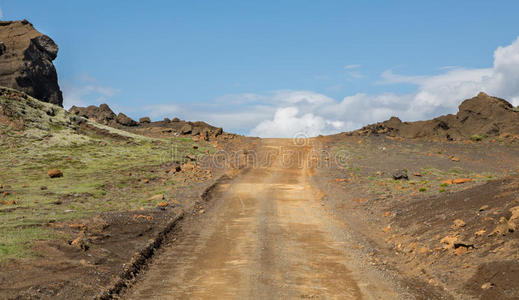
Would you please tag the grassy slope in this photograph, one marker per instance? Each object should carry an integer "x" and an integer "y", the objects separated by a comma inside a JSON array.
[{"x": 96, "y": 171}]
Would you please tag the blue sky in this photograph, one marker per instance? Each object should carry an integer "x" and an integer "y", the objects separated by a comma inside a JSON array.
[{"x": 276, "y": 68}]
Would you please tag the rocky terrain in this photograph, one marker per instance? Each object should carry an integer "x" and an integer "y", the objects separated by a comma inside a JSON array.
[
  {"x": 79, "y": 199},
  {"x": 26, "y": 58},
  {"x": 94, "y": 204},
  {"x": 103, "y": 114},
  {"x": 477, "y": 118}
]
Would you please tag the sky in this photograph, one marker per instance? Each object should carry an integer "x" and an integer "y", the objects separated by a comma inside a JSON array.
[{"x": 280, "y": 68}]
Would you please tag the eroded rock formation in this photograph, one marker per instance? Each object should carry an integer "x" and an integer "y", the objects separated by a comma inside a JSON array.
[{"x": 26, "y": 57}]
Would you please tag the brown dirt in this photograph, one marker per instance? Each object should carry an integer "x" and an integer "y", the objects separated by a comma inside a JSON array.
[
  {"x": 95, "y": 259},
  {"x": 404, "y": 227},
  {"x": 265, "y": 237}
]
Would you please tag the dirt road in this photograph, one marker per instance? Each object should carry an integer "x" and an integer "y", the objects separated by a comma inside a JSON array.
[{"x": 266, "y": 237}]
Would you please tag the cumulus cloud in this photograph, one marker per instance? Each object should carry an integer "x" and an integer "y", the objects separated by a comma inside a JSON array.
[
  {"x": 287, "y": 122},
  {"x": 287, "y": 112}
]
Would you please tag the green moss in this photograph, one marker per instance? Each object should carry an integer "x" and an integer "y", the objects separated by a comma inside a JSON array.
[
  {"x": 476, "y": 137},
  {"x": 16, "y": 243},
  {"x": 94, "y": 170}
]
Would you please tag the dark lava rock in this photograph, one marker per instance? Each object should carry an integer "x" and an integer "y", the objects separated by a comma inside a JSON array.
[
  {"x": 26, "y": 57},
  {"x": 400, "y": 174},
  {"x": 144, "y": 120},
  {"x": 102, "y": 114},
  {"x": 125, "y": 120},
  {"x": 186, "y": 129},
  {"x": 482, "y": 115}
]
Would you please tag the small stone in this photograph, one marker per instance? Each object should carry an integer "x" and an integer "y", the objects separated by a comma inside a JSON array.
[
  {"x": 454, "y": 158},
  {"x": 77, "y": 226},
  {"x": 487, "y": 285},
  {"x": 202, "y": 211},
  {"x": 423, "y": 250},
  {"x": 387, "y": 229},
  {"x": 458, "y": 223},
  {"x": 462, "y": 180},
  {"x": 55, "y": 173},
  {"x": 80, "y": 243},
  {"x": 400, "y": 174},
  {"x": 43, "y": 188},
  {"x": 480, "y": 232},
  {"x": 461, "y": 250},
  {"x": 448, "y": 241},
  {"x": 162, "y": 204},
  {"x": 188, "y": 167},
  {"x": 175, "y": 169},
  {"x": 483, "y": 208}
]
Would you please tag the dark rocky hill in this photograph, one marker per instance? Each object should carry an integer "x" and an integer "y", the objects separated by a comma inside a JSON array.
[
  {"x": 103, "y": 114},
  {"x": 26, "y": 57},
  {"x": 477, "y": 118}
]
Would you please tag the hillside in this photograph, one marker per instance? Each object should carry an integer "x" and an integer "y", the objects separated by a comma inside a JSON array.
[
  {"x": 477, "y": 118},
  {"x": 78, "y": 198}
]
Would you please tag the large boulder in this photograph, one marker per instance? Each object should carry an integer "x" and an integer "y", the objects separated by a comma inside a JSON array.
[
  {"x": 102, "y": 114},
  {"x": 125, "y": 120},
  {"x": 26, "y": 57},
  {"x": 145, "y": 120}
]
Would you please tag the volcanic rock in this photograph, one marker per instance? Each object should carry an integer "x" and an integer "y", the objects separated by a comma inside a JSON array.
[
  {"x": 125, "y": 120},
  {"x": 55, "y": 173},
  {"x": 480, "y": 116},
  {"x": 102, "y": 114},
  {"x": 26, "y": 57},
  {"x": 400, "y": 174},
  {"x": 144, "y": 120},
  {"x": 186, "y": 129}
]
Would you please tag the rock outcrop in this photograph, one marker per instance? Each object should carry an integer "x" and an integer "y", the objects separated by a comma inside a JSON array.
[
  {"x": 102, "y": 114},
  {"x": 477, "y": 117},
  {"x": 26, "y": 57}
]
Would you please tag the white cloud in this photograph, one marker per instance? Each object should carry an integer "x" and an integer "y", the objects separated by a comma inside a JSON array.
[
  {"x": 162, "y": 110},
  {"x": 353, "y": 66},
  {"x": 288, "y": 112},
  {"x": 85, "y": 91},
  {"x": 287, "y": 122}
]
